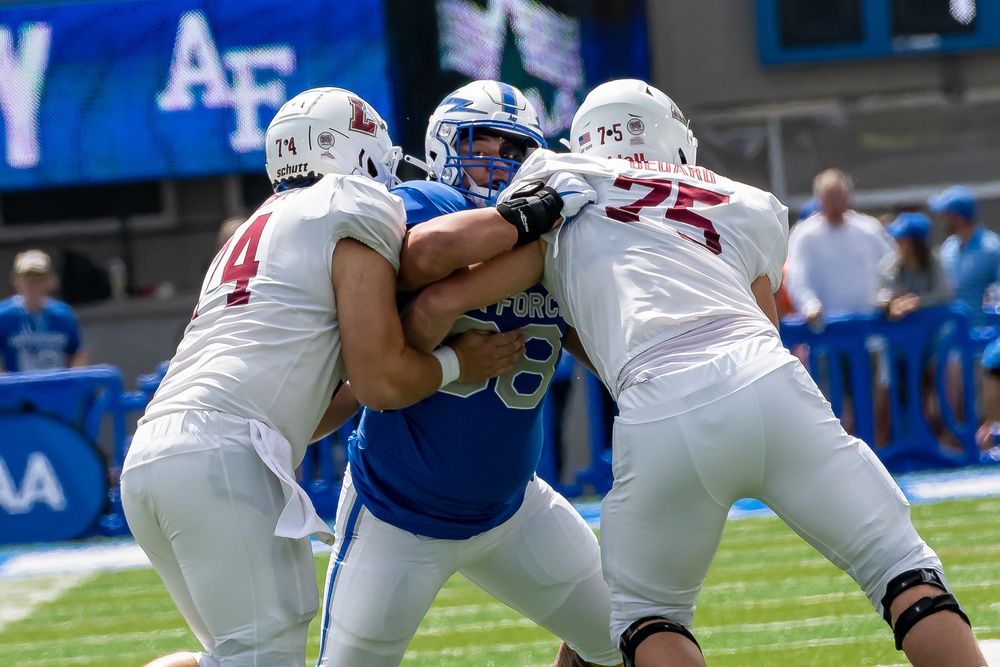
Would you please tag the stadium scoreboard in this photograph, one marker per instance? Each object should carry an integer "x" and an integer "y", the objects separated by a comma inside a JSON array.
[
  {"x": 807, "y": 31},
  {"x": 128, "y": 91}
]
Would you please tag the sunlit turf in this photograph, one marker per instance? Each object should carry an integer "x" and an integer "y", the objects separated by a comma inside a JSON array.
[{"x": 769, "y": 600}]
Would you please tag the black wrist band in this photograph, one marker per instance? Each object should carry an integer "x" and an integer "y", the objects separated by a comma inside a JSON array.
[{"x": 533, "y": 210}]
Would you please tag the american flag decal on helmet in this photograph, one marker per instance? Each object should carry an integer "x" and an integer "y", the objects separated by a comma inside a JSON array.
[{"x": 584, "y": 140}]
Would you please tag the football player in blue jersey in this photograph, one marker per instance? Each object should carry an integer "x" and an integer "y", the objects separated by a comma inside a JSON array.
[{"x": 448, "y": 485}]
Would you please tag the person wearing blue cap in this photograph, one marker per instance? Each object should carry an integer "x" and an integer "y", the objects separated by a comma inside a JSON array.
[
  {"x": 986, "y": 434},
  {"x": 971, "y": 253},
  {"x": 916, "y": 277}
]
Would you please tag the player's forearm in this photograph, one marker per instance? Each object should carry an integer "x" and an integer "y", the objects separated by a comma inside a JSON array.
[
  {"x": 573, "y": 345},
  {"x": 342, "y": 407},
  {"x": 761, "y": 288},
  {"x": 396, "y": 379},
  {"x": 429, "y": 317},
  {"x": 434, "y": 249}
]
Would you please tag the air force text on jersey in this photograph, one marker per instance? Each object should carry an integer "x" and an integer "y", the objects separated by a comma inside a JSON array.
[{"x": 527, "y": 304}]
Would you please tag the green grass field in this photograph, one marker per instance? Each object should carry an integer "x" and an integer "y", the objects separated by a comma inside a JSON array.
[{"x": 769, "y": 600}]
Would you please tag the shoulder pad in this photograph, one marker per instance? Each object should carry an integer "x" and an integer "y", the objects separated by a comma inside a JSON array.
[{"x": 424, "y": 200}]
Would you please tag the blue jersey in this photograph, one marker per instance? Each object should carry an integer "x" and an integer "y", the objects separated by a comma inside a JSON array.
[
  {"x": 41, "y": 340},
  {"x": 456, "y": 464},
  {"x": 971, "y": 268}
]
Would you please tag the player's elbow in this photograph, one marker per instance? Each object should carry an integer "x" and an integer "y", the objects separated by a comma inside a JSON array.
[
  {"x": 424, "y": 260},
  {"x": 445, "y": 301},
  {"x": 382, "y": 393}
]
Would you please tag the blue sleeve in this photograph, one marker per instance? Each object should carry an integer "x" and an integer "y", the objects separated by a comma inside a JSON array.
[
  {"x": 68, "y": 323},
  {"x": 429, "y": 199},
  {"x": 8, "y": 325},
  {"x": 991, "y": 355}
]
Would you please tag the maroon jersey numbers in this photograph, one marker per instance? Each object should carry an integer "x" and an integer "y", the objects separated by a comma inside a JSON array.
[
  {"x": 687, "y": 195},
  {"x": 241, "y": 272},
  {"x": 247, "y": 269}
]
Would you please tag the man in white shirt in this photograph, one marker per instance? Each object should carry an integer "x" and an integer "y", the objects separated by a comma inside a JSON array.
[
  {"x": 834, "y": 255},
  {"x": 834, "y": 268}
]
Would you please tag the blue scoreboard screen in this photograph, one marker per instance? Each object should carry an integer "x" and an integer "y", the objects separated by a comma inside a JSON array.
[{"x": 103, "y": 92}]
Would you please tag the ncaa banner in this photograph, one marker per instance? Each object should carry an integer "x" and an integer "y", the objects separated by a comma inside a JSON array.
[
  {"x": 53, "y": 483},
  {"x": 103, "y": 92}
]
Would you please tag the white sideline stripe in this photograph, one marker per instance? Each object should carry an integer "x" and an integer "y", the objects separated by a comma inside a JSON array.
[
  {"x": 20, "y": 598},
  {"x": 481, "y": 626},
  {"x": 74, "y": 560},
  {"x": 121, "y": 554},
  {"x": 479, "y": 649},
  {"x": 965, "y": 488}
]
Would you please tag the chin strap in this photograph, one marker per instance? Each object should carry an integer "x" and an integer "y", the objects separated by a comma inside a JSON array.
[{"x": 418, "y": 163}]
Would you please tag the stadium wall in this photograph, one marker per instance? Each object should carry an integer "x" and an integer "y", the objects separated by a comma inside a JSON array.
[{"x": 905, "y": 126}]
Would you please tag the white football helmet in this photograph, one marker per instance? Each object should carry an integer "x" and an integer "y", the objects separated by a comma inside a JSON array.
[
  {"x": 328, "y": 131},
  {"x": 490, "y": 106},
  {"x": 628, "y": 118}
]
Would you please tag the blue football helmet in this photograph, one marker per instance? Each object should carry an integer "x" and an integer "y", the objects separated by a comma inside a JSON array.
[{"x": 487, "y": 107}]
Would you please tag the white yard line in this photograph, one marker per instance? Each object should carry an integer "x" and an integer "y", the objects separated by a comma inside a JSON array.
[
  {"x": 20, "y": 597},
  {"x": 77, "y": 559}
]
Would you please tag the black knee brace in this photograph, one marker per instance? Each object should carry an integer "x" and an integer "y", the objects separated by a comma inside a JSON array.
[
  {"x": 634, "y": 635},
  {"x": 923, "y": 607}
]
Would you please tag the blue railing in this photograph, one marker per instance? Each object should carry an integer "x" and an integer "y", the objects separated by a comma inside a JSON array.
[{"x": 894, "y": 373}]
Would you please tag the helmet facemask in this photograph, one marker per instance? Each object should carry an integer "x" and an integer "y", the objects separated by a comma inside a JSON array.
[
  {"x": 480, "y": 108},
  {"x": 470, "y": 161}
]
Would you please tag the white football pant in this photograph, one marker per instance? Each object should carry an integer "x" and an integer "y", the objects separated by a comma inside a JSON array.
[
  {"x": 776, "y": 440},
  {"x": 544, "y": 562},
  {"x": 206, "y": 519}
]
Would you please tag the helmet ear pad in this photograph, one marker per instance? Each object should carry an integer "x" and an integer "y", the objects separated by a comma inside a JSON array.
[
  {"x": 328, "y": 131},
  {"x": 490, "y": 107},
  {"x": 630, "y": 118}
]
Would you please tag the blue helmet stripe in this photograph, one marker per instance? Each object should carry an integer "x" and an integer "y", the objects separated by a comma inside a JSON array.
[
  {"x": 508, "y": 100},
  {"x": 460, "y": 104}
]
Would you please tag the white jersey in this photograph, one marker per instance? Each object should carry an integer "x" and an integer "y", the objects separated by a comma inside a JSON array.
[
  {"x": 264, "y": 342},
  {"x": 663, "y": 250}
]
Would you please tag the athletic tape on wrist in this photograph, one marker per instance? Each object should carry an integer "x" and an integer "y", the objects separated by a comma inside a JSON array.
[{"x": 450, "y": 368}]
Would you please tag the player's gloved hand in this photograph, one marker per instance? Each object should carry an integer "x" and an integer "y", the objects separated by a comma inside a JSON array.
[
  {"x": 533, "y": 208},
  {"x": 483, "y": 354}
]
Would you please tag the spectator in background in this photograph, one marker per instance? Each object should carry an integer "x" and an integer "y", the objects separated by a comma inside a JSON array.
[
  {"x": 781, "y": 297},
  {"x": 833, "y": 264},
  {"x": 824, "y": 244},
  {"x": 991, "y": 402},
  {"x": 916, "y": 278},
  {"x": 36, "y": 331},
  {"x": 971, "y": 259},
  {"x": 971, "y": 253},
  {"x": 227, "y": 229},
  {"x": 808, "y": 209}
]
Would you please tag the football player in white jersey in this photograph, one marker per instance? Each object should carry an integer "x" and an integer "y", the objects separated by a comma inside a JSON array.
[
  {"x": 301, "y": 298},
  {"x": 669, "y": 278}
]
